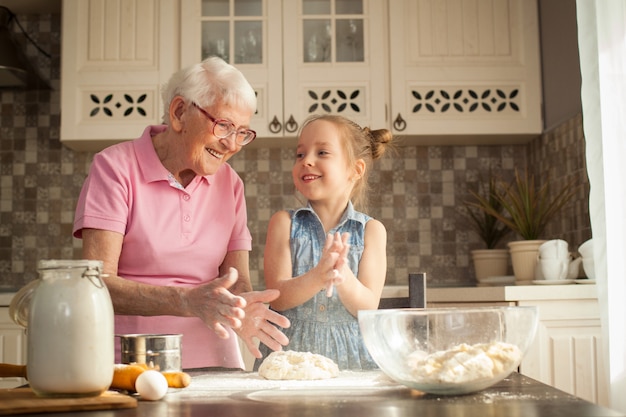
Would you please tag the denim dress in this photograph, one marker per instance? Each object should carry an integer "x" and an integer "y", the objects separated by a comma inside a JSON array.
[{"x": 322, "y": 325}]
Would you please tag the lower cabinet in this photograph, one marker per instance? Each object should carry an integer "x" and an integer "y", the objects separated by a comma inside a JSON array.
[
  {"x": 567, "y": 350},
  {"x": 12, "y": 347}
]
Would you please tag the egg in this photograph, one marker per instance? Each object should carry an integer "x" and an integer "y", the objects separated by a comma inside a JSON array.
[{"x": 151, "y": 385}]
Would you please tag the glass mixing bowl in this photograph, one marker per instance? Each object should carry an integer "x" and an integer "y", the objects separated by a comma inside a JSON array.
[{"x": 448, "y": 351}]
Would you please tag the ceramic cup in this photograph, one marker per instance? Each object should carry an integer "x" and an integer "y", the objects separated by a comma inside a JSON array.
[
  {"x": 589, "y": 268},
  {"x": 586, "y": 249},
  {"x": 574, "y": 268},
  {"x": 553, "y": 269},
  {"x": 554, "y": 249}
]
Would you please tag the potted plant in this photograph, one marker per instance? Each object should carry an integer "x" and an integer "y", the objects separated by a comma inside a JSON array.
[
  {"x": 527, "y": 208},
  {"x": 490, "y": 261}
]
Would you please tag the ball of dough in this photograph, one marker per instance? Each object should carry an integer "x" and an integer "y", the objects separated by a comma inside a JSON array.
[
  {"x": 151, "y": 385},
  {"x": 297, "y": 365}
]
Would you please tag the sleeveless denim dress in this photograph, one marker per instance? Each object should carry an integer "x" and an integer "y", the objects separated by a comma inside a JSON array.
[{"x": 322, "y": 325}]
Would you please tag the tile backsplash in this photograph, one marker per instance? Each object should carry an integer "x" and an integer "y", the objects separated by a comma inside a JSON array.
[{"x": 417, "y": 193}]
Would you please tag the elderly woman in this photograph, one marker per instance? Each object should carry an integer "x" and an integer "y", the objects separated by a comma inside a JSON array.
[{"x": 167, "y": 216}]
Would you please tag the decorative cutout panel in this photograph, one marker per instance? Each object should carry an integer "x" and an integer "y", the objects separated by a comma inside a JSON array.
[
  {"x": 117, "y": 106},
  {"x": 349, "y": 101},
  {"x": 470, "y": 101}
]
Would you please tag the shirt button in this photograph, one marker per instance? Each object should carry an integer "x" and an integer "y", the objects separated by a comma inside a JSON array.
[
  {"x": 186, "y": 197},
  {"x": 322, "y": 307},
  {"x": 187, "y": 218}
]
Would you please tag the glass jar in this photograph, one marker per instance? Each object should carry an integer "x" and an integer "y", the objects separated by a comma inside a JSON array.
[{"x": 70, "y": 330}]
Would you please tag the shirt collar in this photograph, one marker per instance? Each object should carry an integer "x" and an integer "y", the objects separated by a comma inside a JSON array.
[
  {"x": 349, "y": 214},
  {"x": 149, "y": 162}
]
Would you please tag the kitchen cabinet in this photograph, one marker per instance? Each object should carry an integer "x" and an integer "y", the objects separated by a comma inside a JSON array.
[
  {"x": 302, "y": 57},
  {"x": 12, "y": 347},
  {"x": 435, "y": 72},
  {"x": 567, "y": 350},
  {"x": 115, "y": 57},
  {"x": 465, "y": 72}
]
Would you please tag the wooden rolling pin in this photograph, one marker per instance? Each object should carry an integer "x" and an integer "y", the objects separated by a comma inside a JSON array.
[{"x": 124, "y": 376}]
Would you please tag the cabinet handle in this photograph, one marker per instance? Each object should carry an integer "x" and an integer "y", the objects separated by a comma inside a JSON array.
[
  {"x": 399, "y": 124},
  {"x": 291, "y": 125},
  {"x": 275, "y": 125}
]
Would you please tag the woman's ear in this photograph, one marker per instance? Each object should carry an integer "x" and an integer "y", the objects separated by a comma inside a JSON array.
[{"x": 178, "y": 105}]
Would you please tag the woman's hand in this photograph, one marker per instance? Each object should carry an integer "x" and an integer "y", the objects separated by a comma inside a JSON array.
[
  {"x": 258, "y": 320},
  {"x": 215, "y": 305}
]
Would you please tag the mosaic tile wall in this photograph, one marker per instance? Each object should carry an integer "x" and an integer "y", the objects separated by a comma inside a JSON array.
[{"x": 417, "y": 193}]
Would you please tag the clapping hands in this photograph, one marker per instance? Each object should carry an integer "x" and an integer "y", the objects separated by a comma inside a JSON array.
[{"x": 334, "y": 255}]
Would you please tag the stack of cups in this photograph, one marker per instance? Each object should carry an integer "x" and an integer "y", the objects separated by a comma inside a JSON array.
[
  {"x": 586, "y": 252},
  {"x": 553, "y": 260}
]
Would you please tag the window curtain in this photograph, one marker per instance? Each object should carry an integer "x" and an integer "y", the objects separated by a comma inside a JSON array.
[{"x": 602, "y": 48}]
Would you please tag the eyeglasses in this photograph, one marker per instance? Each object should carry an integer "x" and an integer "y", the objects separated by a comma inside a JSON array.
[{"x": 223, "y": 128}]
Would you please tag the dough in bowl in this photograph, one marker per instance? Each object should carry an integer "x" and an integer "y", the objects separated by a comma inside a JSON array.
[{"x": 297, "y": 365}]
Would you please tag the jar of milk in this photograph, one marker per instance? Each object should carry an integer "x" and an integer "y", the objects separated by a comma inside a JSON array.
[{"x": 70, "y": 330}]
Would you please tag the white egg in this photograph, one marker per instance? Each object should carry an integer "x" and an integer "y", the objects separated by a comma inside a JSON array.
[{"x": 151, "y": 385}]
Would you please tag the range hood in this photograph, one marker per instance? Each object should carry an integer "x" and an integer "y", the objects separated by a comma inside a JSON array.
[{"x": 16, "y": 72}]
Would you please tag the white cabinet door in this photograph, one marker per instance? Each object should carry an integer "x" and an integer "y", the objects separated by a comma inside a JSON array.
[
  {"x": 308, "y": 57},
  {"x": 567, "y": 350},
  {"x": 351, "y": 81},
  {"x": 116, "y": 55},
  {"x": 461, "y": 67},
  {"x": 12, "y": 347}
]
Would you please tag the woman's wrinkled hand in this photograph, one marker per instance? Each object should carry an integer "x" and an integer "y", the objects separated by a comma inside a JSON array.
[
  {"x": 215, "y": 305},
  {"x": 258, "y": 320}
]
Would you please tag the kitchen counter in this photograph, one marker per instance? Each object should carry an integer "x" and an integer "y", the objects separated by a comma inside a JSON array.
[
  {"x": 370, "y": 394},
  {"x": 498, "y": 293},
  {"x": 469, "y": 293}
]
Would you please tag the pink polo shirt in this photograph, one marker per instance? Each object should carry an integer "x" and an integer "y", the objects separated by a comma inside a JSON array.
[{"x": 172, "y": 236}]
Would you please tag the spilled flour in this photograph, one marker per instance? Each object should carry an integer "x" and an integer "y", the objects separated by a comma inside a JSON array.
[{"x": 225, "y": 384}]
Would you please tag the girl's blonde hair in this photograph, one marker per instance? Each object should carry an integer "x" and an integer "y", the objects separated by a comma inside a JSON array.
[{"x": 358, "y": 143}]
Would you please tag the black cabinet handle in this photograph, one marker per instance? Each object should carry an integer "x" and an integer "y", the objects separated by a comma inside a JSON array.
[
  {"x": 291, "y": 125},
  {"x": 275, "y": 125},
  {"x": 399, "y": 124}
]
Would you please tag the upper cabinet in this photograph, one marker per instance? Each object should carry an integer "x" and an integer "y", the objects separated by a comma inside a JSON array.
[
  {"x": 434, "y": 71},
  {"x": 465, "y": 71},
  {"x": 302, "y": 57},
  {"x": 115, "y": 56}
]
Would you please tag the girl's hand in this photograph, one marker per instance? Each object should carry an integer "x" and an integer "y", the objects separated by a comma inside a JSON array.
[{"x": 336, "y": 247}]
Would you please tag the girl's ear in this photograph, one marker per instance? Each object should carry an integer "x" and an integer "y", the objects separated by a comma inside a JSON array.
[
  {"x": 359, "y": 169},
  {"x": 177, "y": 108}
]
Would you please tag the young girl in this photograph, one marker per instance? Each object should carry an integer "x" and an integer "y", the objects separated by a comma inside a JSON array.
[{"x": 327, "y": 259}]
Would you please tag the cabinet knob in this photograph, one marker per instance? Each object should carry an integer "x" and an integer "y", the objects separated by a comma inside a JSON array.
[
  {"x": 291, "y": 125},
  {"x": 399, "y": 124},
  {"x": 275, "y": 125}
]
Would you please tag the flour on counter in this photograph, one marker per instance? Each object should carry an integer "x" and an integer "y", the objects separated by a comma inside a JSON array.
[
  {"x": 464, "y": 363},
  {"x": 223, "y": 384}
]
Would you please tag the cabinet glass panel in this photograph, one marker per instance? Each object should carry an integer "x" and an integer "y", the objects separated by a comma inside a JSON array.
[
  {"x": 317, "y": 40},
  {"x": 248, "y": 7},
  {"x": 315, "y": 6},
  {"x": 349, "y": 6},
  {"x": 215, "y": 7},
  {"x": 233, "y": 30},
  {"x": 333, "y": 35},
  {"x": 349, "y": 42},
  {"x": 216, "y": 40},
  {"x": 248, "y": 42},
  {"x": 241, "y": 7}
]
